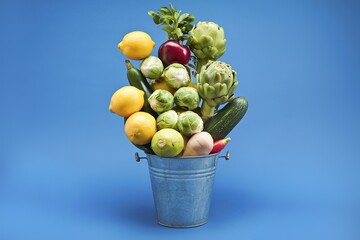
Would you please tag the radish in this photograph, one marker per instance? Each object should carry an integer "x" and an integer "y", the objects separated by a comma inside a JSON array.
[{"x": 219, "y": 145}]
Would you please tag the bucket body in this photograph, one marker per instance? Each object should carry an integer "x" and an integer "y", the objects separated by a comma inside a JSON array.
[{"x": 182, "y": 189}]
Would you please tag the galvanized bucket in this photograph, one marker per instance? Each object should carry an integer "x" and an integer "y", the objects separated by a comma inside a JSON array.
[{"x": 182, "y": 188}]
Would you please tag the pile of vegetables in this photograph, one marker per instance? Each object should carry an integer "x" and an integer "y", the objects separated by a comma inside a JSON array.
[{"x": 188, "y": 106}]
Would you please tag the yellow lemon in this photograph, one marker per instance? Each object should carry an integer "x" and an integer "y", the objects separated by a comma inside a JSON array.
[
  {"x": 140, "y": 127},
  {"x": 161, "y": 84},
  {"x": 126, "y": 101},
  {"x": 136, "y": 45}
]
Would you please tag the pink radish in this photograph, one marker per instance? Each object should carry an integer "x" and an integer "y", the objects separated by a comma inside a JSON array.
[{"x": 219, "y": 145}]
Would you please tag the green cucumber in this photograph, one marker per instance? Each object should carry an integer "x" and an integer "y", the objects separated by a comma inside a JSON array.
[
  {"x": 138, "y": 80},
  {"x": 221, "y": 124}
]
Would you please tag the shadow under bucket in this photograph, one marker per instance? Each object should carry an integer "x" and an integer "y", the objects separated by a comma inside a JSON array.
[{"x": 182, "y": 188}]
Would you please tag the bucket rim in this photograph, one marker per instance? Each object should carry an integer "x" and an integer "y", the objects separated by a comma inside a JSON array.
[{"x": 184, "y": 157}]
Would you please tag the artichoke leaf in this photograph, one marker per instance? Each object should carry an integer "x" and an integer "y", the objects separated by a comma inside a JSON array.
[
  {"x": 221, "y": 89},
  {"x": 233, "y": 87},
  {"x": 221, "y": 100}
]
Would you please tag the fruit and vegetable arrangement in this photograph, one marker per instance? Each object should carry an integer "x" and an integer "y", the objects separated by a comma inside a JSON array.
[{"x": 180, "y": 102}]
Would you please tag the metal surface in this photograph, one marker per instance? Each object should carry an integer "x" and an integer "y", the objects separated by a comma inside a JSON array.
[{"x": 182, "y": 188}]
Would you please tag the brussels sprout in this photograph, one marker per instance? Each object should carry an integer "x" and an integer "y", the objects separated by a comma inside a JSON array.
[
  {"x": 161, "y": 100},
  {"x": 176, "y": 75},
  {"x": 167, "y": 142},
  {"x": 189, "y": 123},
  {"x": 151, "y": 67},
  {"x": 187, "y": 98},
  {"x": 167, "y": 119}
]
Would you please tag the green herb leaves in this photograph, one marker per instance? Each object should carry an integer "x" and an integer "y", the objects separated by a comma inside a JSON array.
[{"x": 176, "y": 25}]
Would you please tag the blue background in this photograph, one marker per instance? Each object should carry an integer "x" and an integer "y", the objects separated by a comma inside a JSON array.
[{"x": 67, "y": 170}]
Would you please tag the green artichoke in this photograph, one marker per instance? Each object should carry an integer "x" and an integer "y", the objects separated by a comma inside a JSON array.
[
  {"x": 207, "y": 41},
  {"x": 216, "y": 83}
]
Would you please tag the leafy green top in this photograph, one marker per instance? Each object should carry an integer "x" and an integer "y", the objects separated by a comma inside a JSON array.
[{"x": 176, "y": 25}]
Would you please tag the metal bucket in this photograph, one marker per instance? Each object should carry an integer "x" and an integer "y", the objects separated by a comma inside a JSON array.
[{"x": 182, "y": 188}]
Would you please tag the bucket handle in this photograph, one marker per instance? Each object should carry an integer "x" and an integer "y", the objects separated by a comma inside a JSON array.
[
  {"x": 138, "y": 158},
  {"x": 227, "y": 156}
]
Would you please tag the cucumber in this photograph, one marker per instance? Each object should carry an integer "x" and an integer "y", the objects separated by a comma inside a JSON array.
[
  {"x": 138, "y": 80},
  {"x": 221, "y": 124}
]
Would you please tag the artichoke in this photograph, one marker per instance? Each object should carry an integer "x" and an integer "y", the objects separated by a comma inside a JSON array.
[
  {"x": 216, "y": 83},
  {"x": 207, "y": 41}
]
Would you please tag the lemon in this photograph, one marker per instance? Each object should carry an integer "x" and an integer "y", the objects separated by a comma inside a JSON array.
[
  {"x": 161, "y": 84},
  {"x": 136, "y": 45},
  {"x": 126, "y": 101},
  {"x": 140, "y": 127},
  {"x": 167, "y": 142}
]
